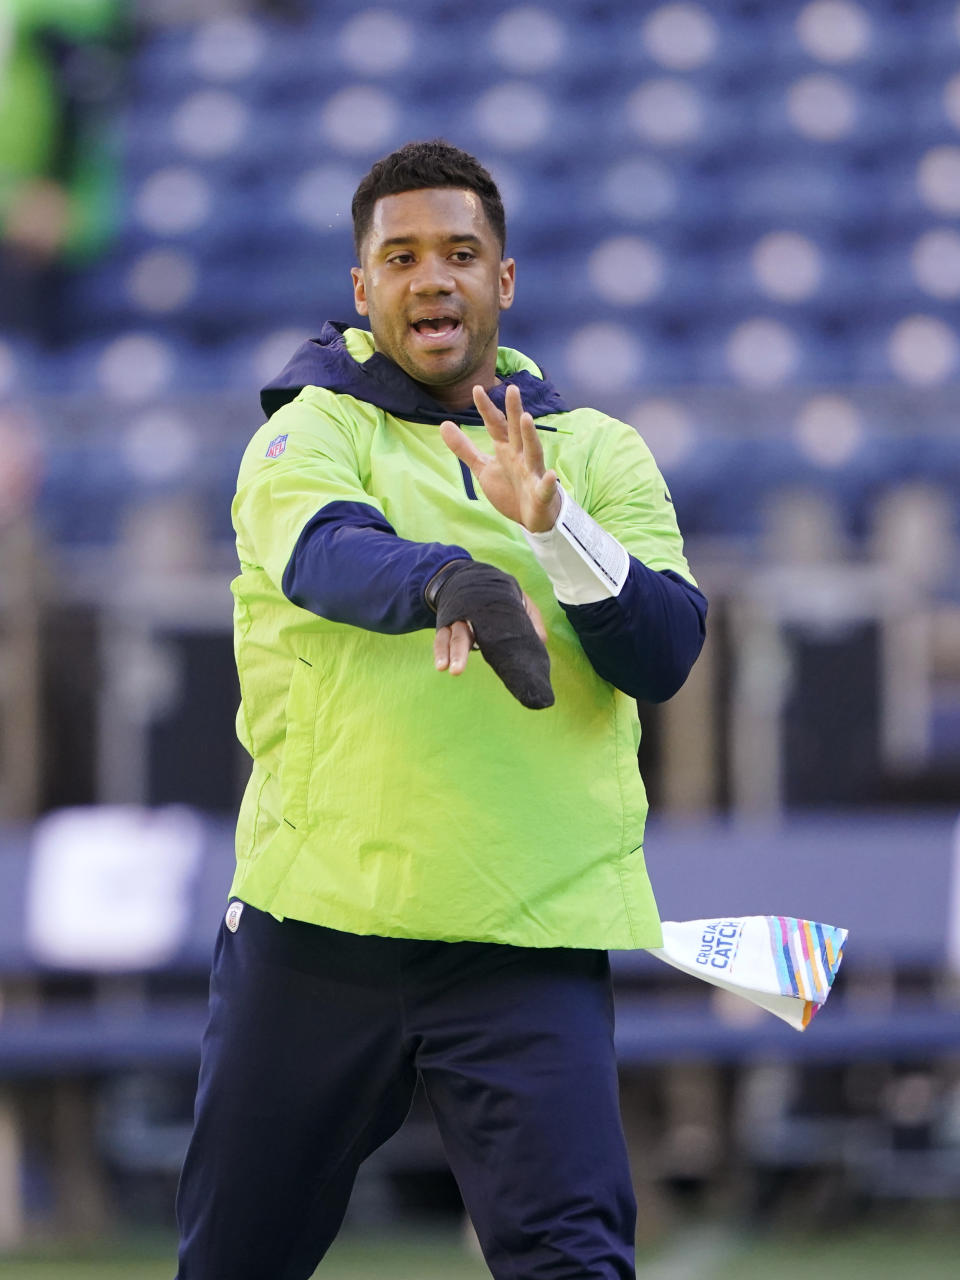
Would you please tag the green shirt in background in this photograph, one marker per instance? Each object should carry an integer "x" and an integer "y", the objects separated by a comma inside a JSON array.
[{"x": 32, "y": 113}]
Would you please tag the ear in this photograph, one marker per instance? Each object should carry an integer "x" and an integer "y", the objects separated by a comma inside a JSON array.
[
  {"x": 508, "y": 271},
  {"x": 359, "y": 291}
]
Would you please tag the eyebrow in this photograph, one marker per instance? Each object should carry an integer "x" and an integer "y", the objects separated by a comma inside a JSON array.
[{"x": 394, "y": 242}]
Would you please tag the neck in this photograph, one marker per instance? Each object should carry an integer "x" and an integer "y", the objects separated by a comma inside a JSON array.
[{"x": 458, "y": 395}]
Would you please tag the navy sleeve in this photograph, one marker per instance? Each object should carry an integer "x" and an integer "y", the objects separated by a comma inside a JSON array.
[
  {"x": 349, "y": 565},
  {"x": 646, "y": 639}
]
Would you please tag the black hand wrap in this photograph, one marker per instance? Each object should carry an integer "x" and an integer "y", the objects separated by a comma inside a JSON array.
[{"x": 492, "y": 602}]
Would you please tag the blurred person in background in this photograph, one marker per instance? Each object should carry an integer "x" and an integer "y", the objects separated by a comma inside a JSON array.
[{"x": 59, "y": 72}]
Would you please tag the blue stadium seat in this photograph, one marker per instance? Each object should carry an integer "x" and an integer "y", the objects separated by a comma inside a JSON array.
[
  {"x": 822, "y": 352},
  {"x": 809, "y": 184},
  {"x": 269, "y": 252}
]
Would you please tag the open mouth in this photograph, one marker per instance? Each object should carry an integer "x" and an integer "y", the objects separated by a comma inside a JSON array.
[{"x": 435, "y": 329}]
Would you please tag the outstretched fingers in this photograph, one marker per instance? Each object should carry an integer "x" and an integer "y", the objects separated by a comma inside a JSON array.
[
  {"x": 458, "y": 442},
  {"x": 513, "y": 403},
  {"x": 532, "y": 448},
  {"x": 514, "y": 427},
  {"x": 493, "y": 419}
]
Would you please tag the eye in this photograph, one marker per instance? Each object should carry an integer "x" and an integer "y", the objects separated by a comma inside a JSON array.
[
  {"x": 464, "y": 255},
  {"x": 400, "y": 259}
]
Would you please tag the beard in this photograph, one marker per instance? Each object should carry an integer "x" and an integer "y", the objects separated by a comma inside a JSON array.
[{"x": 467, "y": 353}]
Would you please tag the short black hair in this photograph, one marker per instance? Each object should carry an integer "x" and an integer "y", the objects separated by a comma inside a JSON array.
[{"x": 417, "y": 166}]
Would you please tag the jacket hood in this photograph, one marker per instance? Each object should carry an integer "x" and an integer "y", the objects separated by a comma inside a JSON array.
[{"x": 343, "y": 360}]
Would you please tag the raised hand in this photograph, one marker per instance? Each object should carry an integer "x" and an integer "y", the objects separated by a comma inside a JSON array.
[{"x": 513, "y": 477}]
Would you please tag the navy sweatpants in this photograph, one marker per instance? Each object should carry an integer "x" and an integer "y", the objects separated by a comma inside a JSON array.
[{"x": 313, "y": 1048}]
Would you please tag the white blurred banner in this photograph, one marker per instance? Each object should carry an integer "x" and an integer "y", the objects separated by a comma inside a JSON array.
[{"x": 110, "y": 887}]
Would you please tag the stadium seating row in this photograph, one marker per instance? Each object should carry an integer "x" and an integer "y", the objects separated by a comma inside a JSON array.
[
  {"x": 730, "y": 459},
  {"x": 819, "y": 865},
  {"x": 701, "y": 198},
  {"x": 698, "y": 162}
]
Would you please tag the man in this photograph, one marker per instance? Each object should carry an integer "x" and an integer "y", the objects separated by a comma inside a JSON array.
[{"x": 430, "y": 870}]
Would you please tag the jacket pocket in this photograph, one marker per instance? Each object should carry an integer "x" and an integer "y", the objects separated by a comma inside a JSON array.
[{"x": 299, "y": 746}]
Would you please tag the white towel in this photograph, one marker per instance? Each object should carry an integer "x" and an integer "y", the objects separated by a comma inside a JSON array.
[{"x": 782, "y": 964}]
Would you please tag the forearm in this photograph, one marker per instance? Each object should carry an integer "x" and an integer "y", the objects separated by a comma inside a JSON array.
[
  {"x": 645, "y": 639},
  {"x": 642, "y": 630},
  {"x": 349, "y": 565}
]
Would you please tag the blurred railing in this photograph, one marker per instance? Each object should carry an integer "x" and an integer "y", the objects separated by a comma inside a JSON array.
[{"x": 106, "y": 926}]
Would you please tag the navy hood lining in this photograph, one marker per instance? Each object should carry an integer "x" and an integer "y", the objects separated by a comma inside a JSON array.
[{"x": 326, "y": 362}]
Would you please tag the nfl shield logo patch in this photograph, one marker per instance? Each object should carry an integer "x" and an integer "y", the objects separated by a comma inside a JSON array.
[{"x": 276, "y": 446}]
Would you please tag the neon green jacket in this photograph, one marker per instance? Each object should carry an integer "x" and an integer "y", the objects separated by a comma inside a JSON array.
[{"x": 386, "y": 797}]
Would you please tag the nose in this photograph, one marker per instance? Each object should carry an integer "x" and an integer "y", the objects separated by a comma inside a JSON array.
[{"x": 433, "y": 275}]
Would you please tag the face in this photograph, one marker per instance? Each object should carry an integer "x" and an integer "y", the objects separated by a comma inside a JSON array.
[{"x": 433, "y": 285}]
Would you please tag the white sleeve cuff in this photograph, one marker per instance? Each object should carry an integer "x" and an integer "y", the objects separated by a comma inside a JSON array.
[{"x": 583, "y": 562}]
